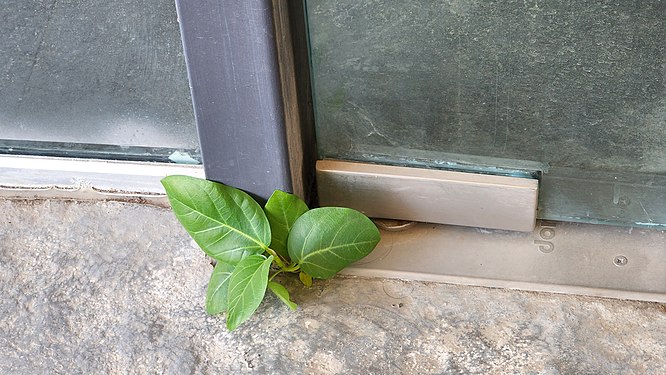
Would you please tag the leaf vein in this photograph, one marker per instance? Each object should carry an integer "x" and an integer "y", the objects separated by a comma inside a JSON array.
[
  {"x": 336, "y": 247},
  {"x": 261, "y": 245}
]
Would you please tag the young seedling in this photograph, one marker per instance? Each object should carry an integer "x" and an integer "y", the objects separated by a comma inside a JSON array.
[{"x": 253, "y": 245}]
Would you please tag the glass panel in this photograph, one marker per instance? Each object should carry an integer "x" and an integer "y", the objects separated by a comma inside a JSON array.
[
  {"x": 572, "y": 91},
  {"x": 76, "y": 74}
]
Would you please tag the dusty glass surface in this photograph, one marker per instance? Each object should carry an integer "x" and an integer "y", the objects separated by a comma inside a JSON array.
[
  {"x": 94, "y": 72},
  {"x": 547, "y": 86}
]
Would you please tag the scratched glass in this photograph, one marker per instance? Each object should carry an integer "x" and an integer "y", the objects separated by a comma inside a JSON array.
[
  {"x": 574, "y": 92},
  {"x": 78, "y": 73}
]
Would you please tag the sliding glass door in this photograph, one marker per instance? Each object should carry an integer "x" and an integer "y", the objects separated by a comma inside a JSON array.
[
  {"x": 480, "y": 114},
  {"x": 572, "y": 94},
  {"x": 95, "y": 79}
]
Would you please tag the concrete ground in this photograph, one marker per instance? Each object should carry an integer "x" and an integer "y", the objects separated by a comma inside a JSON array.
[{"x": 118, "y": 288}]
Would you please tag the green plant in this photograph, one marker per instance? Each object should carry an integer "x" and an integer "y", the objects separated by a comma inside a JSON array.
[{"x": 252, "y": 245}]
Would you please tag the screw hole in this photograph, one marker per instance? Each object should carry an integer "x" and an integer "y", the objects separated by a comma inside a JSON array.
[{"x": 620, "y": 260}]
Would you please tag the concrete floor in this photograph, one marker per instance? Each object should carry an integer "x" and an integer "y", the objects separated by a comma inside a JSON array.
[{"x": 117, "y": 288}]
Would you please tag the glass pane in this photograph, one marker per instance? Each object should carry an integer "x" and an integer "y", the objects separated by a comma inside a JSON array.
[
  {"x": 75, "y": 74},
  {"x": 572, "y": 91}
]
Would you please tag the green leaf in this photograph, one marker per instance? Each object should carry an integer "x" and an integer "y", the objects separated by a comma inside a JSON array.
[
  {"x": 305, "y": 279},
  {"x": 282, "y": 210},
  {"x": 218, "y": 288},
  {"x": 282, "y": 293},
  {"x": 247, "y": 287},
  {"x": 325, "y": 240},
  {"x": 226, "y": 222}
]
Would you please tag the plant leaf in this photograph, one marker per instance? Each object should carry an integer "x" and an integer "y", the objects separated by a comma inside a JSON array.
[
  {"x": 226, "y": 222},
  {"x": 325, "y": 240},
  {"x": 218, "y": 288},
  {"x": 247, "y": 287},
  {"x": 282, "y": 293},
  {"x": 282, "y": 210},
  {"x": 305, "y": 279}
]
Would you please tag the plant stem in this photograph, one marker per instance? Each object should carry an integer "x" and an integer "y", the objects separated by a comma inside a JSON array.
[
  {"x": 292, "y": 268},
  {"x": 276, "y": 257},
  {"x": 275, "y": 274}
]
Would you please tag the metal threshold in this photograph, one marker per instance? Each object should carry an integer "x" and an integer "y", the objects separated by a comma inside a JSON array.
[
  {"x": 595, "y": 260},
  {"x": 559, "y": 257}
]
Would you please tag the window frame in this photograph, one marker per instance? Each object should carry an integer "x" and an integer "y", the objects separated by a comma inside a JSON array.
[{"x": 245, "y": 92}]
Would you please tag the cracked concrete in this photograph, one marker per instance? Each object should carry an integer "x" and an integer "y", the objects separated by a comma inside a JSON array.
[{"x": 118, "y": 288}]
